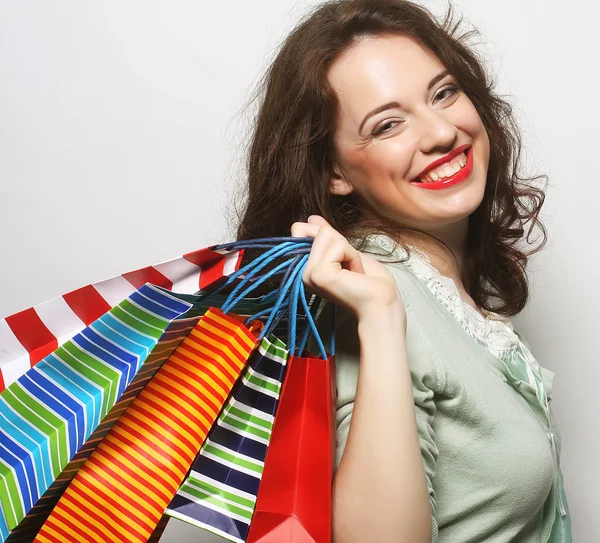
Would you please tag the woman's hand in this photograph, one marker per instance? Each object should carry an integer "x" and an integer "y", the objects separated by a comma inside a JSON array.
[{"x": 339, "y": 273}]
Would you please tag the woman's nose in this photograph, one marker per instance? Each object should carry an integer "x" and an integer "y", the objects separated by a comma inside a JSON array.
[{"x": 436, "y": 132}]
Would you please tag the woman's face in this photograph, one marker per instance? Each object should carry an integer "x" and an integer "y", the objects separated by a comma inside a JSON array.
[{"x": 380, "y": 155}]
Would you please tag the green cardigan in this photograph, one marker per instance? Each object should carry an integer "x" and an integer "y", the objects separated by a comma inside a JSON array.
[{"x": 484, "y": 440}]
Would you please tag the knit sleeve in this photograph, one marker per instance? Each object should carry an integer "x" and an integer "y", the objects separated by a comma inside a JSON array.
[{"x": 424, "y": 381}]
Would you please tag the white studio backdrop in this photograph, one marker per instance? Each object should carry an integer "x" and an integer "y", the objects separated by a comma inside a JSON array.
[{"x": 122, "y": 138}]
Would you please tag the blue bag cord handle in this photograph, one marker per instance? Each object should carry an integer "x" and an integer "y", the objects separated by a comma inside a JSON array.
[
  {"x": 279, "y": 316},
  {"x": 294, "y": 277},
  {"x": 279, "y": 304},
  {"x": 231, "y": 302},
  {"x": 283, "y": 291},
  {"x": 311, "y": 322},
  {"x": 293, "y": 315},
  {"x": 259, "y": 263},
  {"x": 287, "y": 250},
  {"x": 298, "y": 291},
  {"x": 275, "y": 295},
  {"x": 284, "y": 245},
  {"x": 263, "y": 260},
  {"x": 266, "y": 311},
  {"x": 260, "y": 242},
  {"x": 292, "y": 304},
  {"x": 233, "y": 298},
  {"x": 307, "y": 329}
]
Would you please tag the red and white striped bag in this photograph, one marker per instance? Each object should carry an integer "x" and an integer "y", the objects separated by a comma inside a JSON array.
[{"x": 29, "y": 335}]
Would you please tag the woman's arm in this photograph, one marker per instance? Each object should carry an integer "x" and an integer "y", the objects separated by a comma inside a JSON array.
[
  {"x": 380, "y": 488},
  {"x": 380, "y": 491}
]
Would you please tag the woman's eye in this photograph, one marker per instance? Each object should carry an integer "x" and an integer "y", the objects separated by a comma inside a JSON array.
[
  {"x": 382, "y": 128},
  {"x": 445, "y": 93}
]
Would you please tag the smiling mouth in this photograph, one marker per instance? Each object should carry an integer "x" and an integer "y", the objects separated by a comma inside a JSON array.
[
  {"x": 444, "y": 171},
  {"x": 462, "y": 173}
]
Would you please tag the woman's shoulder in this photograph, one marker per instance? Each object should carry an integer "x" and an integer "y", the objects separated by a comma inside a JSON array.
[
  {"x": 401, "y": 264},
  {"x": 424, "y": 360}
]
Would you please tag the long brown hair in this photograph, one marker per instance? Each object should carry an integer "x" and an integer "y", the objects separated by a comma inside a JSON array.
[{"x": 292, "y": 157}]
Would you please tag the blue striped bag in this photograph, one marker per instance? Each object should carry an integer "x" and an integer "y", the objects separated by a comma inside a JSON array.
[
  {"x": 169, "y": 341},
  {"x": 50, "y": 412}
]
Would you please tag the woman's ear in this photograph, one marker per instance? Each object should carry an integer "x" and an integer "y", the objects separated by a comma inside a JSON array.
[{"x": 338, "y": 185}]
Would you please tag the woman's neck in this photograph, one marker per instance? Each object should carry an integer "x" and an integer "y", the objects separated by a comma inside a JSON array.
[{"x": 449, "y": 263}]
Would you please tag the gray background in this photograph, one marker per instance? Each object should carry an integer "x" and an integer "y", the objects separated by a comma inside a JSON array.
[{"x": 122, "y": 132}]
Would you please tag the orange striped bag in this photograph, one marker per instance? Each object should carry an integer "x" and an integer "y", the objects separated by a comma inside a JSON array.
[{"x": 122, "y": 490}]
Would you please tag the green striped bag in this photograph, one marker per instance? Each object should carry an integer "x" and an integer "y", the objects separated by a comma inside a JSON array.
[
  {"x": 220, "y": 492},
  {"x": 50, "y": 412},
  {"x": 169, "y": 341}
]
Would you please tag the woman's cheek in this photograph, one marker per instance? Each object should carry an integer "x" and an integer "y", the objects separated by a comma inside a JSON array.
[{"x": 396, "y": 157}]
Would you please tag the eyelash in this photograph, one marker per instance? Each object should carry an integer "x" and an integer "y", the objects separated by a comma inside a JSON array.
[{"x": 453, "y": 90}]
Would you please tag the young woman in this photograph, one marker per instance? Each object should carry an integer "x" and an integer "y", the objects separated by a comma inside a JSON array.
[{"x": 379, "y": 132}]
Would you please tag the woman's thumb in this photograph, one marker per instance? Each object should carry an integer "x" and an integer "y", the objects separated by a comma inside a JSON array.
[{"x": 317, "y": 219}]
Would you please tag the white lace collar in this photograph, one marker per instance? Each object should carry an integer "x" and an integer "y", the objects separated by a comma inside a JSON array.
[{"x": 494, "y": 331}]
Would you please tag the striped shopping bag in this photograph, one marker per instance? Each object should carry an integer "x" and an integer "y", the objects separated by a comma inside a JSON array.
[
  {"x": 220, "y": 492},
  {"x": 122, "y": 490},
  {"x": 49, "y": 412},
  {"x": 28, "y": 336},
  {"x": 169, "y": 341}
]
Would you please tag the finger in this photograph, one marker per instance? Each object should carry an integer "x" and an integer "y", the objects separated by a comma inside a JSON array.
[
  {"x": 330, "y": 244},
  {"x": 317, "y": 219},
  {"x": 327, "y": 276},
  {"x": 354, "y": 263},
  {"x": 304, "y": 230},
  {"x": 330, "y": 247}
]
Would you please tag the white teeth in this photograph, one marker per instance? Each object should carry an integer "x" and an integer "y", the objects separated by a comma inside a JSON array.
[{"x": 445, "y": 170}]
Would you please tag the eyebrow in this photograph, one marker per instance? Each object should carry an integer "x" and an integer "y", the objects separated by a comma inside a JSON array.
[{"x": 390, "y": 105}]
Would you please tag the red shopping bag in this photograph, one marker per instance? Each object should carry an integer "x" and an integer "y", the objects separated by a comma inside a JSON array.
[{"x": 294, "y": 497}]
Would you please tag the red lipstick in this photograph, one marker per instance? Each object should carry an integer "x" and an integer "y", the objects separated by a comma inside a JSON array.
[
  {"x": 443, "y": 160},
  {"x": 458, "y": 177}
]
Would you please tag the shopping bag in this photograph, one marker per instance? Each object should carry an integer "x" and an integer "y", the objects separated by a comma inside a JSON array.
[
  {"x": 142, "y": 461},
  {"x": 294, "y": 503},
  {"x": 26, "y": 530},
  {"x": 50, "y": 411},
  {"x": 294, "y": 498},
  {"x": 220, "y": 492},
  {"x": 28, "y": 336}
]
